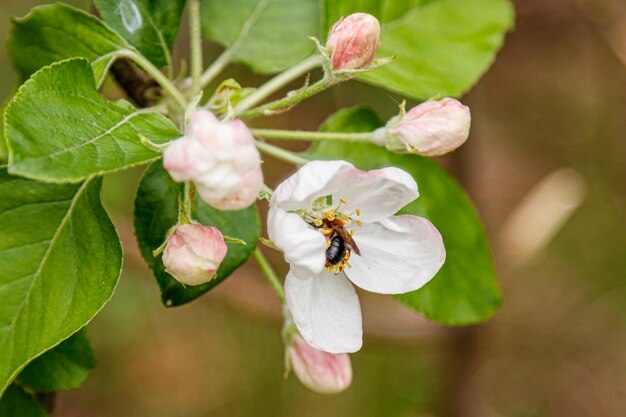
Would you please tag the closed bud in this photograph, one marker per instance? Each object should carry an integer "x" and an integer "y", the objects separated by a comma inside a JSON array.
[
  {"x": 432, "y": 128},
  {"x": 220, "y": 158},
  {"x": 320, "y": 371},
  {"x": 193, "y": 253},
  {"x": 353, "y": 41}
]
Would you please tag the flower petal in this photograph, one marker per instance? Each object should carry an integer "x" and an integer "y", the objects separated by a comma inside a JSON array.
[
  {"x": 308, "y": 183},
  {"x": 326, "y": 310},
  {"x": 398, "y": 255},
  {"x": 303, "y": 247},
  {"x": 377, "y": 194}
]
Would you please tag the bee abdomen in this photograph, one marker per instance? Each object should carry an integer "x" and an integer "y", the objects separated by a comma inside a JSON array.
[{"x": 336, "y": 251}]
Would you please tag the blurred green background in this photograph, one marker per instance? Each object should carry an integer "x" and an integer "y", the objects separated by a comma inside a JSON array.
[{"x": 556, "y": 97}]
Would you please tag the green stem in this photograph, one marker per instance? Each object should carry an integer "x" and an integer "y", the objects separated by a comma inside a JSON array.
[
  {"x": 270, "y": 274},
  {"x": 281, "y": 153},
  {"x": 196, "y": 46},
  {"x": 278, "y": 82},
  {"x": 188, "y": 198},
  {"x": 157, "y": 75},
  {"x": 307, "y": 135},
  {"x": 289, "y": 101},
  {"x": 216, "y": 68}
]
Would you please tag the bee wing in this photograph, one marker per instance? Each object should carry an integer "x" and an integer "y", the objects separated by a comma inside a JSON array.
[{"x": 347, "y": 237}]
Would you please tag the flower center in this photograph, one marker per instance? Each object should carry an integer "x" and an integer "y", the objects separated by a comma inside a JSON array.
[{"x": 337, "y": 227}]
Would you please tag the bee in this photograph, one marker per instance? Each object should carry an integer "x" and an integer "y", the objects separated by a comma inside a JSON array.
[{"x": 340, "y": 243}]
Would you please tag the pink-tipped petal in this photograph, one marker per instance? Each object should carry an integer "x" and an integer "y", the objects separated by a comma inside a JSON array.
[{"x": 320, "y": 371}]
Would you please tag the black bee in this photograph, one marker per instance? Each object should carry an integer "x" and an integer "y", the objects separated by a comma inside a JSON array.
[{"x": 340, "y": 244}]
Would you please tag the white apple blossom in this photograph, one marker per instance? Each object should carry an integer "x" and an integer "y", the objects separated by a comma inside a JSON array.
[{"x": 398, "y": 254}]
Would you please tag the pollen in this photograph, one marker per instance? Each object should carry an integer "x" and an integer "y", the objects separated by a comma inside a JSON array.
[
  {"x": 318, "y": 222},
  {"x": 328, "y": 243},
  {"x": 326, "y": 231},
  {"x": 330, "y": 215},
  {"x": 358, "y": 222}
]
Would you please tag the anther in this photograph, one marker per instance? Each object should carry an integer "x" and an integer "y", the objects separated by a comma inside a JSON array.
[
  {"x": 330, "y": 215},
  {"x": 343, "y": 201},
  {"x": 358, "y": 222},
  {"x": 317, "y": 222},
  {"x": 352, "y": 232},
  {"x": 358, "y": 212}
]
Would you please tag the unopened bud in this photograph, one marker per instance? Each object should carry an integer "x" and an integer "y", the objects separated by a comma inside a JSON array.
[
  {"x": 194, "y": 253},
  {"x": 320, "y": 371},
  {"x": 432, "y": 128},
  {"x": 220, "y": 158},
  {"x": 353, "y": 41}
]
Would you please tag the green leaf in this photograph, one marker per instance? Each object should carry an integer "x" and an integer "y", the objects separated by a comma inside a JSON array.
[
  {"x": 266, "y": 35},
  {"x": 60, "y": 369},
  {"x": 60, "y": 260},
  {"x": 4, "y": 151},
  {"x": 442, "y": 46},
  {"x": 150, "y": 25},
  {"x": 55, "y": 32},
  {"x": 465, "y": 290},
  {"x": 156, "y": 212},
  {"x": 60, "y": 129},
  {"x": 18, "y": 403}
]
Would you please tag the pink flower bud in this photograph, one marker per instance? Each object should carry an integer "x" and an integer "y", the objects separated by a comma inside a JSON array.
[
  {"x": 432, "y": 128},
  {"x": 352, "y": 41},
  {"x": 220, "y": 158},
  {"x": 193, "y": 253},
  {"x": 319, "y": 371}
]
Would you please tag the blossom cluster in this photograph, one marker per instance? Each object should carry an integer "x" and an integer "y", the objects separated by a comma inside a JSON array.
[{"x": 335, "y": 224}]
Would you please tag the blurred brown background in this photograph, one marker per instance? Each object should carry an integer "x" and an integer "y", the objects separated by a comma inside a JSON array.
[{"x": 555, "y": 98}]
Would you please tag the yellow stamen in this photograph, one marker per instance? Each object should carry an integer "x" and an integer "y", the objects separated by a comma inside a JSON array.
[
  {"x": 358, "y": 212},
  {"x": 343, "y": 201},
  {"x": 345, "y": 218},
  {"x": 352, "y": 232},
  {"x": 330, "y": 215},
  {"x": 327, "y": 244},
  {"x": 318, "y": 222},
  {"x": 326, "y": 231},
  {"x": 358, "y": 222}
]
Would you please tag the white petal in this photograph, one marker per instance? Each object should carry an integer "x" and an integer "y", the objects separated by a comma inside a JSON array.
[
  {"x": 326, "y": 311},
  {"x": 377, "y": 194},
  {"x": 303, "y": 247},
  {"x": 308, "y": 183},
  {"x": 398, "y": 255}
]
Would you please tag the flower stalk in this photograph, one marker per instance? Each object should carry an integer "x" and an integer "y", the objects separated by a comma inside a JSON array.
[
  {"x": 290, "y": 100},
  {"x": 278, "y": 82},
  {"x": 196, "y": 46},
  {"x": 313, "y": 136},
  {"x": 269, "y": 273},
  {"x": 280, "y": 153},
  {"x": 157, "y": 75}
]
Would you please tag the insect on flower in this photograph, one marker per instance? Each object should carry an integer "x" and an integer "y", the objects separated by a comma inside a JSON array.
[{"x": 324, "y": 215}]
